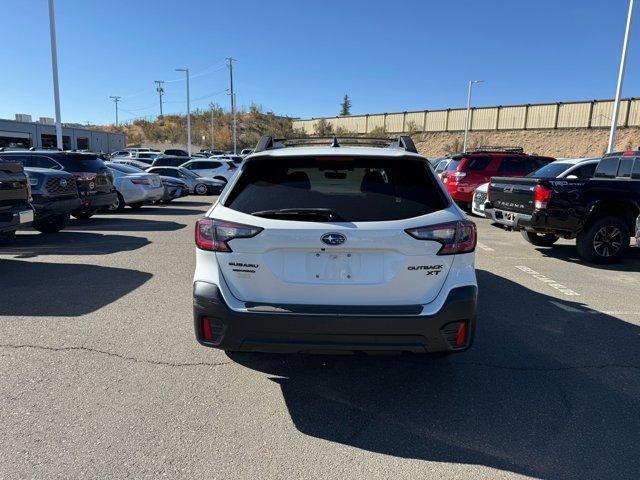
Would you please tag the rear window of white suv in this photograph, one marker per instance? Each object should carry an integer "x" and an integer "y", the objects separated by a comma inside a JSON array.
[{"x": 354, "y": 189}]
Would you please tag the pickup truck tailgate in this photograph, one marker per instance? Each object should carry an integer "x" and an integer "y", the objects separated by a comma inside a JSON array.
[
  {"x": 513, "y": 194},
  {"x": 13, "y": 185}
]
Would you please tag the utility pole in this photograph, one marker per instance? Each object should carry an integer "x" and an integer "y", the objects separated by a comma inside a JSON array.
[
  {"x": 186, "y": 71},
  {"x": 54, "y": 68},
  {"x": 467, "y": 119},
  {"x": 623, "y": 64},
  {"x": 116, "y": 99},
  {"x": 160, "y": 90},
  {"x": 213, "y": 132},
  {"x": 233, "y": 105}
]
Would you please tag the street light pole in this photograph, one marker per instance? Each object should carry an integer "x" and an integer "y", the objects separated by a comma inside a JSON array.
[
  {"x": 54, "y": 68},
  {"x": 186, "y": 71},
  {"x": 116, "y": 99},
  {"x": 623, "y": 64},
  {"x": 467, "y": 119}
]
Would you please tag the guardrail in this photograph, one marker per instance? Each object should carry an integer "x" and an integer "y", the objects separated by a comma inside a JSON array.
[{"x": 587, "y": 114}]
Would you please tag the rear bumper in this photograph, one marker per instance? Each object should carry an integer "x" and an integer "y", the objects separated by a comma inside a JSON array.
[
  {"x": 515, "y": 221},
  {"x": 46, "y": 206},
  {"x": 293, "y": 329},
  {"x": 98, "y": 200},
  {"x": 15, "y": 219}
]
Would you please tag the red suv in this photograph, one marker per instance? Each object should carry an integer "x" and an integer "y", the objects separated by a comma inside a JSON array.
[{"x": 467, "y": 171}]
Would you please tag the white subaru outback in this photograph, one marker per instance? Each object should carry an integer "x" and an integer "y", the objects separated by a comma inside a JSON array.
[{"x": 325, "y": 248}]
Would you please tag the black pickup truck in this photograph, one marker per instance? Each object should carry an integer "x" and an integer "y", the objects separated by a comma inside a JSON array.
[
  {"x": 601, "y": 213},
  {"x": 15, "y": 198}
]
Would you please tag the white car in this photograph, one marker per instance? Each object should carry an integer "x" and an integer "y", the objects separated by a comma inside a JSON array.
[
  {"x": 479, "y": 200},
  {"x": 134, "y": 187},
  {"x": 313, "y": 249},
  {"x": 571, "y": 168},
  {"x": 218, "y": 168}
]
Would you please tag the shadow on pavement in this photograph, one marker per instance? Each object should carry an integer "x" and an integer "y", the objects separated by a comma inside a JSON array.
[
  {"x": 191, "y": 203},
  {"x": 122, "y": 224},
  {"x": 569, "y": 253},
  {"x": 71, "y": 243},
  {"x": 162, "y": 210},
  {"x": 543, "y": 392},
  {"x": 38, "y": 289}
]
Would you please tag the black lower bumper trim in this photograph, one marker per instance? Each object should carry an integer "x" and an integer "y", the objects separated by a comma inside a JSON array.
[{"x": 297, "y": 328}]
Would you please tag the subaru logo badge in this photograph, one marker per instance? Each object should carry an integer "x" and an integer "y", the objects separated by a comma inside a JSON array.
[
  {"x": 63, "y": 182},
  {"x": 333, "y": 238}
]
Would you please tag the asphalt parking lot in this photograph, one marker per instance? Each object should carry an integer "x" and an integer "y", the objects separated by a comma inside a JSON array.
[{"x": 101, "y": 376}]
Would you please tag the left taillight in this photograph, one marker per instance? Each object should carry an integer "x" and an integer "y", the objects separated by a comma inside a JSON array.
[
  {"x": 213, "y": 235},
  {"x": 140, "y": 181},
  {"x": 542, "y": 195},
  {"x": 455, "y": 237}
]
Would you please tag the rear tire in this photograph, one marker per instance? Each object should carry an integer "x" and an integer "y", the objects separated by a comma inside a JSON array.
[
  {"x": 118, "y": 205},
  {"x": 52, "y": 224},
  {"x": 604, "y": 241},
  {"x": 7, "y": 237},
  {"x": 538, "y": 239},
  {"x": 84, "y": 214}
]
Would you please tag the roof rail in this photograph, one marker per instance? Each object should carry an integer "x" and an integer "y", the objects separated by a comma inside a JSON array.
[
  {"x": 498, "y": 149},
  {"x": 403, "y": 142}
]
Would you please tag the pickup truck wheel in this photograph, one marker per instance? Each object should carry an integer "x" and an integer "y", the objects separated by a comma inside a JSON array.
[
  {"x": 604, "y": 241},
  {"x": 6, "y": 237},
  {"x": 539, "y": 240},
  {"x": 84, "y": 214},
  {"x": 52, "y": 224}
]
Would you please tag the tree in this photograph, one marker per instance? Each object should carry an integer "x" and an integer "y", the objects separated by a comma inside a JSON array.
[
  {"x": 323, "y": 128},
  {"x": 345, "y": 106}
]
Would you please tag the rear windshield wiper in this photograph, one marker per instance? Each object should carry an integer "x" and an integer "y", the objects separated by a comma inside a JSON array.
[{"x": 325, "y": 214}]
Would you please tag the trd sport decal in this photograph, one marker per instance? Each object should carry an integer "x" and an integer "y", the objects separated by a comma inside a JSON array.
[{"x": 429, "y": 269}]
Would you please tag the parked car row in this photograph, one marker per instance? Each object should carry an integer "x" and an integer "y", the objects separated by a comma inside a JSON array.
[{"x": 44, "y": 188}]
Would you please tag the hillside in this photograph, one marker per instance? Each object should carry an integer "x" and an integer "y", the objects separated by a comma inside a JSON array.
[
  {"x": 578, "y": 142},
  {"x": 171, "y": 130}
]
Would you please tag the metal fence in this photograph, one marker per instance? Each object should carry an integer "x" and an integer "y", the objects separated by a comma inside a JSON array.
[{"x": 588, "y": 114}]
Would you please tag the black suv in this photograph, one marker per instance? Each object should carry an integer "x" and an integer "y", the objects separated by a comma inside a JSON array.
[
  {"x": 93, "y": 178},
  {"x": 170, "y": 161}
]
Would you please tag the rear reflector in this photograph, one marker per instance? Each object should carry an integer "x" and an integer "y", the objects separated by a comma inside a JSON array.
[
  {"x": 207, "y": 334},
  {"x": 461, "y": 337},
  {"x": 455, "y": 237}
]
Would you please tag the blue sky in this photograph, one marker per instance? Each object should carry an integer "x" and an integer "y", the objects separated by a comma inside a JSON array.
[{"x": 300, "y": 57}]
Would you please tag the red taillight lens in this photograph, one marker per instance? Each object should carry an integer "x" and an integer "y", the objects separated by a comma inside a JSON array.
[
  {"x": 85, "y": 175},
  {"x": 207, "y": 334},
  {"x": 461, "y": 336},
  {"x": 141, "y": 181},
  {"x": 455, "y": 237},
  {"x": 542, "y": 195},
  {"x": 212, "y": 234}
]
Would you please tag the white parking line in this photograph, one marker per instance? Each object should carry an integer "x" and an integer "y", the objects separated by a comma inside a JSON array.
[
  {"x": 549, "y": 281},
  {"x": 482, "y": 246}
]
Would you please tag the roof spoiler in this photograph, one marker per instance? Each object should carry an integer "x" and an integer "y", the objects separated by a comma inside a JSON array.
[{"x": 403, "y": 142}]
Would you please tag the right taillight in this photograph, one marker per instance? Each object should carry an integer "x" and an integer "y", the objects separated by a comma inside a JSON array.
[
  {"x": 213, "y": 235},
  {"x": 542, "y": 195},
  {"x": 455, "y": 237}
]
